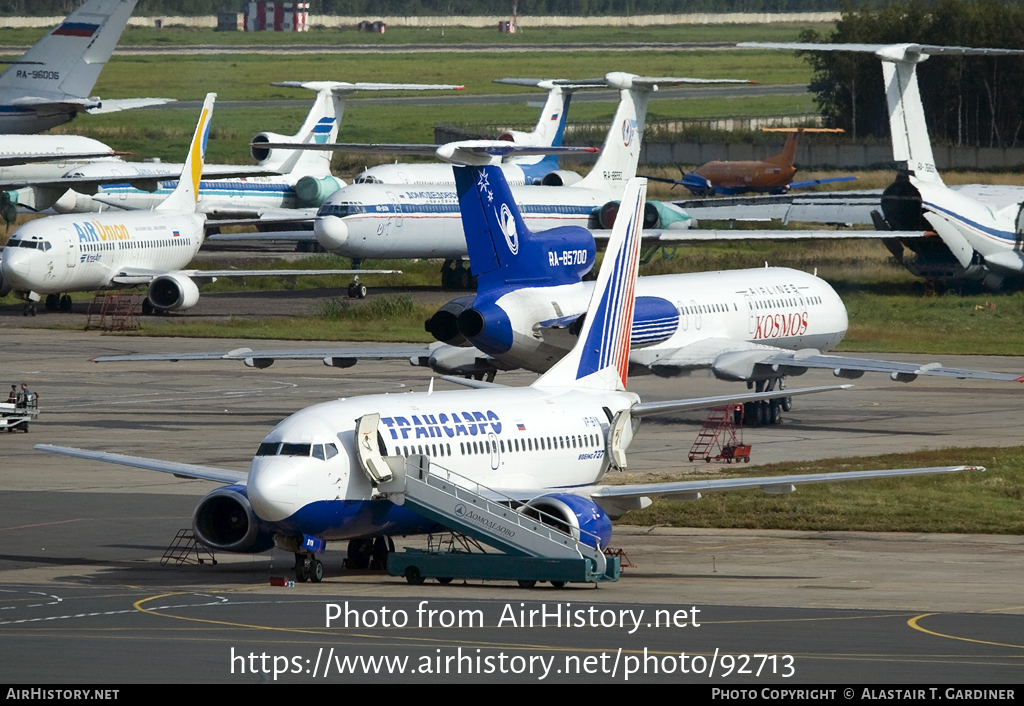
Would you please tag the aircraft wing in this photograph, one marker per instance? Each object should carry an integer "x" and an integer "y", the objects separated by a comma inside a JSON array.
[
  {"x": 646, "y": 409},
  {"x": 145, "y": 276},
  {"x": 700, "y": 235},
  {"x": 182, "y": 470},
  {"x": 775, "y": 485},
  {"x": 838, "y": 207},
  {"x": 846, "y": 366},
  {"x": 145, "y": 182},
  {"x": 280, "y": 236},
  {"x": 16, "y": 160},
  {"x": 338, "y": 357}
]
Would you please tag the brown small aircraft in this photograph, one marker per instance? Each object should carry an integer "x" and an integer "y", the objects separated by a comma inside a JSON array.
[{"x": 772, "y": 175}]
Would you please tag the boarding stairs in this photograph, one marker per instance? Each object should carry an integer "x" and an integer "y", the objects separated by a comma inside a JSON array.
[
  {"x": 720, "y": 430},
  {"x": 183, "y": 547},
  {"x": 491, "y": 517},
  {"x": 114, "y": 312}
]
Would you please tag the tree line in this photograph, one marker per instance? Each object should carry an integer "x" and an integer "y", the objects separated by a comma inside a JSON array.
[{"x": 968, "y": 101}]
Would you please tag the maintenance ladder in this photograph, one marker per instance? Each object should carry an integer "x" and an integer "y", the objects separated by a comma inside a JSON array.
[
  {"x": 534, "y": 549},
  {"x": 114, "y": 312}
]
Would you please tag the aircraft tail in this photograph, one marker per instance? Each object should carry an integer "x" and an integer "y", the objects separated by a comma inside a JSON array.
[
  {"x": 320, "y": 127},
  {"x": 620, "y": 153},
  {"x": 184, "y": 196},
  {"x": 68, "y": 60},
  {"x": 786, "y": 157},
  {"x": 502, "y": 250},
  {"x": 600, "y": 359},
  {"x": 911, "y": 144}
]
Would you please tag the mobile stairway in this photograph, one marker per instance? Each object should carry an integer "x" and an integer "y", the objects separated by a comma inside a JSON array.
[{"x": 535, "y": 545}]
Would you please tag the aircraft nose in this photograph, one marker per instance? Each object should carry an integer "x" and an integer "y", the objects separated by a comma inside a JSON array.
[
  {"x": 16, "y": 265},
  {"x": 331, "y": 232},
  {"x": 272, "y": 488}
]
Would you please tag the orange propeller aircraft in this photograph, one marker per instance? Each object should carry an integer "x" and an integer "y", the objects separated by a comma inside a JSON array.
[{"x": 773, "y": 175}]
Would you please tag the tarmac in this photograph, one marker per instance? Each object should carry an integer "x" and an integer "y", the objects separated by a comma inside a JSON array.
[{"x": 83, "y": 596}]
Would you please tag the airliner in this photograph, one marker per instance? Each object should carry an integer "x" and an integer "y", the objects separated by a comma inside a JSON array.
[
  {"x": 394, "y": 221},
  {"x": 304, "y": 178},
  {"x": 318, "y": 474},
  {"x": 518, "y": 170},
  {"x": 66, "y": 253},
  {"x": 50, "y": 84}
]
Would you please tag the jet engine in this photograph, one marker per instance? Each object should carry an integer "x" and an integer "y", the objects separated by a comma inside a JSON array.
[
  {"x": 173, "y": 291},
  {"x": 444, "y": 326},
  {"x": 311, "y": 191},
  {"x": 5, "y": 286},
  {"x": 266, "y": 157},
  {"x": 577, "y": 516},
  {"x": 560, "y": 177},
  {"x": 224, "y": 520},
  {"x": 656, "y": 215}
]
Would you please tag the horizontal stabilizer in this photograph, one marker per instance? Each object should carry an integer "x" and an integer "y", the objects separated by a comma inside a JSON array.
[
  {"x": 344, "y": 87},
  {"x": 909, "y": 52},
  {"x": 116, "y": 106},
  {"x": 467, "y": 152}
]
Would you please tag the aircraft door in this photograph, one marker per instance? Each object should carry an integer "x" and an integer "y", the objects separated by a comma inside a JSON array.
[
  {"x": 751, "y": 319},
  {"x": 619, "y": 437},
  {"x": 1019, "y": 241},
  {"x": 370, "y": 457},
  {"x": 684, "y": 317},
  {"x": 397, "y": 210},
  {"x": 72, "y": 251},
  {"x": 696, "y": 314},
  {"x": 492, "y": 439}
]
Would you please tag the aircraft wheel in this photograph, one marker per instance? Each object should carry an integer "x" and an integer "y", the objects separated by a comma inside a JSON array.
[
  {"x": 527, "y": 584},
  {"x": 413, "y": 575},
  {"x": 302, "y": 572},
  {"x": 147, "y": 307},
  {"x": 360, "y": 290},
  {"x": 352, "y": 291},
  {"x": 787, "y": 404},
  {"x": 558, "y": 584},
  {"x": 463, "y": 276},
  {"x": 359, "y": 553},
  {"x": 445, "y": 580},
  {"x": 316, "y": 574},
  {"x": 759, "y": 413},
  {"x": 52, "y": 302},
  {"x": 775, "y": 412},
  {"x": 65, "y": 303}
]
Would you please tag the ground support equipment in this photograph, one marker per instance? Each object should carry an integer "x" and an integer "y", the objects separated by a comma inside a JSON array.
[{"x": 722, "y": 430}]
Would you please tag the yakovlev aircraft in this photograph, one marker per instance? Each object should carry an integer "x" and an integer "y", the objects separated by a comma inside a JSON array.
[
  {"x": 68, "y": 253},
  {"x": 972, "y": 232},
  {"x": 771, "y": 175},
  {"x": 50, "y": 84},
  {"x": 322, "y": 473},
  {"x": 303, "y": 178}
]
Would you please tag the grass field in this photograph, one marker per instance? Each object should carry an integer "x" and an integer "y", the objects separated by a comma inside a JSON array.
[{"x": 988, "y": 502}]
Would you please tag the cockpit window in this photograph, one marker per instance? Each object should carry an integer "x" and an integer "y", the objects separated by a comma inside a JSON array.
[
  {"x": 268, "y": 448},
  {"x": 340, "y": 209},
  {"x": 368, "y": 179},
  {"x": 331, "y": 450},
  {"x": 31, "y": 244},
  {"x": 295, "y": 449},
  {"x": 318, "y": 452}
]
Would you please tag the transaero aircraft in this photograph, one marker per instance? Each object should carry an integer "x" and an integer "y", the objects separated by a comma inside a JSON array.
[
  {"x": 67, "y": 253},
  {"x": 969, "y": 232},
  {"x": 392, "y": 221},
  {"x": 50, "y": 84},
  {"x": 304, "y": 178},
  {"x": 321, "y": 474},
  {"x": 518, "y": 169}
]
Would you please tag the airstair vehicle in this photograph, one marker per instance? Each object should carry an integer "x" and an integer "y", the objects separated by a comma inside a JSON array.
[
  {"x": 16, "y": 417},
  {"x": 536, "y": 546}
]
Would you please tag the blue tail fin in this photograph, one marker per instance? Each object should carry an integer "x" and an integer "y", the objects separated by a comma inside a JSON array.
[{"x": 503, "y": 252}]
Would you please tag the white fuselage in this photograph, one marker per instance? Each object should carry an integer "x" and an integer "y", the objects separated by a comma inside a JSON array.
[
  {"x": 27, "y": 145},
  {"x": 79, "y": 253},
  {"x": 505, "y": 439},
  {"x": 393, "y": 221},
  {"x": 779, "y": 307}
]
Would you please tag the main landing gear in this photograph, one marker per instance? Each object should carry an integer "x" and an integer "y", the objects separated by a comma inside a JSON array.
[
  {"x": 356, "y": 290},
  {"x": 369, "y": 553},
  {"x": 308, "y": 568},
  {"x": 767, "y": 412},
  {"x": 454, "y": 275},
  {"x": 58, "y": 302}
]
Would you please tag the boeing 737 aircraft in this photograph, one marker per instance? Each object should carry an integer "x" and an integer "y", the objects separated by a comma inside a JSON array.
[
  {"x": 323, "y": 473},
  {"x": 50, "y": 84},
  {"x": 304, "y": 179},
  {"x": 68, "y": 253}
]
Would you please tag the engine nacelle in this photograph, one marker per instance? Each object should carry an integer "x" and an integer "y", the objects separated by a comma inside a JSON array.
[
  {"x": 577, "y": 516},
  {"x": 311, "y": 192},
  {"x": 224, "y": 520},
  {"x": 487, "y": 326},
  {"x": 265, "y": 156},
  {"x": 444, "y": 324},
  {"x": 5, "y": 286},
  {"x": 560, "y": 177},
  {"x": 173, "y": 291},
  {"x": 517, "y": 136},
  {"x": 656, "y": 215}
]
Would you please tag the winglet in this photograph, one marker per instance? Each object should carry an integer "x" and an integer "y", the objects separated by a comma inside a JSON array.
[
  {"x": 600, "y": 359},
  {"x": 184, "y": 196}
]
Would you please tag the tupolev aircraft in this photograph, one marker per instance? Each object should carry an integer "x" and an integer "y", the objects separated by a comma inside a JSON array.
[
  {"x": 771, "y": 175},
  {"x": 396, "y": 221},
  {"x": 971, "y": 232},
  {"x": 322, "y": 473},
  {"x": 66, "y": 253},
  {"x": 50, "y": 84},
  {"x": 518, "y": 169}
]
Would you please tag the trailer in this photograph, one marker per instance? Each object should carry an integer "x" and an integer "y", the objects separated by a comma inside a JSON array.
[{"x": 15, "y": 417}]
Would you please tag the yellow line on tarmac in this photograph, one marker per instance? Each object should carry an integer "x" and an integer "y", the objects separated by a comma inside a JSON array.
[
  {"x": 137, "y": 605},
  {"x": 913, "y": 622}
]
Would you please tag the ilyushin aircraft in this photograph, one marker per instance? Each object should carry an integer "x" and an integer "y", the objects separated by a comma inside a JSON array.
[
  {"x": 303, "y": 178},
  {"x": 50, "y": 84},
  {"x": 771, "y": 175},
  {"x": 68, "y": 253},
  {"x": 970, "y": 232},
  {"x": 317, "y": 475}
]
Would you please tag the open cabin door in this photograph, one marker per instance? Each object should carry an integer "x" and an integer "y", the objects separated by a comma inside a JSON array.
[
  {"x": 619, "y": 437},
  {"x": 370, "y": 457}
]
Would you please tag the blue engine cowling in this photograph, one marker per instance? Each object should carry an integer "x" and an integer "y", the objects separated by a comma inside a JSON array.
[
  {"x": 575, "y": 515},
  {"x": 225, "y": 520}
]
